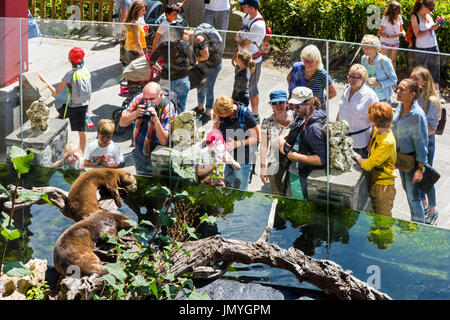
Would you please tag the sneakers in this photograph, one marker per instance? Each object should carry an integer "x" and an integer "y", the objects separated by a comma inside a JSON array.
[
  {"x": 204, "y": 118},
  {"x": 431, "y": 216},
  {"x": 257, "y": 118},
  {"x": 198, "y": 112}
]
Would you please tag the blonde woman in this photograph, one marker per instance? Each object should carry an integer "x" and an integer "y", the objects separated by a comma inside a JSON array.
[
  {"x": 381, "y": 75},
  {"x": 309, "y": 72},
  {"x": 355, "y": 101},
  {"x": 238, "y": 126},
  {"x": 429, "y": 101},
  {"x": 135, "y": 44}
]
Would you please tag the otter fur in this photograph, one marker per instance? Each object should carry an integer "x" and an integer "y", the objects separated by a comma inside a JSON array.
[
  {"x": 76, "y": 247},
  {"x": 82, "y": 199}
]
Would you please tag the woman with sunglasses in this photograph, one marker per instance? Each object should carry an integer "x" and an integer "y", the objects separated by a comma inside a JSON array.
[
  {"x": 238, "y": 126},
  {"x": 355, "y": 101},
  {"x": 312, "y": 146},
  {"x": 271, "y": 128}
]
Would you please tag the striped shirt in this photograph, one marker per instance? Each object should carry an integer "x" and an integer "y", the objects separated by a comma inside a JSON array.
[{"x": 144, "y": 132}]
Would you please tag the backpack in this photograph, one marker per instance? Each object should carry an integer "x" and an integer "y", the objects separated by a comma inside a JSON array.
[
  {"x": 265, "y": 44},
  {"x": 410, "y": 36},
  {"x": 81, "y": 86},
  {"x": 213, "y": 36}
]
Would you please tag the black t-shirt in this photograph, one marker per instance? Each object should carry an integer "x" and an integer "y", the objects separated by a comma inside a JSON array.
[
  {"x": 181, "y": 58},
  {"x": 215, "y": 59},
  {"x": 236, "y": 128}
]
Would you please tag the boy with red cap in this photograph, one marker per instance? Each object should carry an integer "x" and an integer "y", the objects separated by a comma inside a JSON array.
[{"x": 79, "y": 88}]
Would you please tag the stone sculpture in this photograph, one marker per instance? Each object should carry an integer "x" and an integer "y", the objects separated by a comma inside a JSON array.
[
  {"x": 184, "y": 128},
  {"x": 341, "y": 146},
  {"x": 38, "y": 114}
]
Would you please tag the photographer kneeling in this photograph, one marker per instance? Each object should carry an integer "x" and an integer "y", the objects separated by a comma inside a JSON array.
[
  {"x": 307, "y": 131},
  {"x": 151, "y": 113}
]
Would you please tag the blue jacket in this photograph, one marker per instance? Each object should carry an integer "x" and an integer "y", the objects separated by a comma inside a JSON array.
[
  {"x": 385, "y": 74},
  {"x": 411, "y": 131}
]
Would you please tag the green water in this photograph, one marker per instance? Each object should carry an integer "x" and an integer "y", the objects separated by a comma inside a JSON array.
[{"x": 406, "y": 260}]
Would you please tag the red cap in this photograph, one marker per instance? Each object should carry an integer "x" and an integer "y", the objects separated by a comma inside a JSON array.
[
  {"x": 214, "y": 135},
  {"x": 76, "y": 54}
]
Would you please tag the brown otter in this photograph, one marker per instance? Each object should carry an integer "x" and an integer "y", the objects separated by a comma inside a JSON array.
[
  {"x": 76, "y": 247},
  {"x": 82, "y": 199}
]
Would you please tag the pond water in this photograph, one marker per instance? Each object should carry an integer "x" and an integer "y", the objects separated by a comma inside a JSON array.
[{"x": 404, "y": 259}]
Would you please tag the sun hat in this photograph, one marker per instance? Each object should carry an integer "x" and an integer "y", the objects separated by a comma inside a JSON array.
[
  {"x": 251, "y": 3},
  {"x": 300, "y": 95},
  {"x": 76, "y": 54},
  {"x": 216, "y": 136},
  {"x": 277, "y": 96}
]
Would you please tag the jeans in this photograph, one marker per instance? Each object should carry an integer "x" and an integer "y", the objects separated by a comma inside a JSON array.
[
  {"x": 181, "y": 87},
  {"x": 142, "y": 163},
  {"x": 413, "y": 194},
  {"x": 219, "y": 20},
  {"x": 238, "y": 178},
  {"x": 432, "y": 193},
  {"x": 206, "y": 91}
]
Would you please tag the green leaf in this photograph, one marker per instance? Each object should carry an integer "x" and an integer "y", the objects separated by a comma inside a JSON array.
[
  {"x": 140, "y": 281},
  {"x": 4, "y": 190},
  {"x": 20, "y": 159},
  {"x": 182, "y": 195},
  {"x": 9, "y": 233},
  {"x": 166, "y": 220},
  {"x": 16, "y": 269},
  {"x": 195, "y": 295},
  {"x": 154, "y": 288},
  {"x": 45, "y": 197},
  {"x": 116, "y": 270},
  {"x": 27, "y": 195},
  {"x": 211, "y": 220},
  {"x": 190, "y": 231}
]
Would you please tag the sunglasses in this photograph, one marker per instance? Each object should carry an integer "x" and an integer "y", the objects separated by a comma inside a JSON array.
[
  {"x": 296, "y": 106},
  {"x": 278, "y": 103}
]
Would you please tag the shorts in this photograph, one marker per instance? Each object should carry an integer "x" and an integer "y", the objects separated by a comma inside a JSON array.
[
  {"x": 77, "y": 118},
  {"x": 391, "y": 45},
  {"x": 254, "y": 79},
  {"x": 429, "y": 61}
]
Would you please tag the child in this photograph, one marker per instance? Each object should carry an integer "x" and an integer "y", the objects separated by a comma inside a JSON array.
[
  {"x": 245, "y": 66},
  {"x": 162, "y": 34},
  {"x": 72, "y": 158},
  {"x": 391, "y": 28},
  {"x": 213, "y": 157},
  {"x": 103, "y": 151},
  {"x": 79, "y": 88}
]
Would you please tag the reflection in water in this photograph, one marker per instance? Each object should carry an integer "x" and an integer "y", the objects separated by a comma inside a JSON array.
[{"x": 411, "y": 255}]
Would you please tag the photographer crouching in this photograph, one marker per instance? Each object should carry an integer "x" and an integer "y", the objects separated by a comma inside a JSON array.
[
  {"x": 151, "y": 113},
  {"x": 307, "y": 132}
]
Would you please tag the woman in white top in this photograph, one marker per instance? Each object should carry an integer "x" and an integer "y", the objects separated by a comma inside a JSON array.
[
  {"x": 355, "y": 101},
  {"x": 391, "y": 28},
  {"x": 424, "y": 30}
]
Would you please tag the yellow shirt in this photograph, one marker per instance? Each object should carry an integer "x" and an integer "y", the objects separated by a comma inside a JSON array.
[
  {"x": 129, "y": 40},
  {"x": 381, "y": 162}
]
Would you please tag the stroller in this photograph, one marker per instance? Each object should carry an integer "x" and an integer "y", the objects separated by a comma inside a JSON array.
[{"x": 134, "y": 78}]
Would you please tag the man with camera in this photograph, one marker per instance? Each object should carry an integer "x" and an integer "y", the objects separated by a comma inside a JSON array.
[
  {"x": 151, "y": 113},
  {"x": 312, "y": 148}
]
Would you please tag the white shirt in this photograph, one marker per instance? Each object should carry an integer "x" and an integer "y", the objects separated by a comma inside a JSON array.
[
  {"x": 429, "y": 40},
  {"x": 256, "y": 34},
  {"x": 218, "y": 5},
  {"x": 391, "y": 29},
  {"x": 112, "y": 151},
  {"x": 355, "y": 112},
  {"x": 163, "y": 30}
]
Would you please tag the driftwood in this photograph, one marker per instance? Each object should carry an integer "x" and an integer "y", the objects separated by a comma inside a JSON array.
[{"x": 205, "y": 253}]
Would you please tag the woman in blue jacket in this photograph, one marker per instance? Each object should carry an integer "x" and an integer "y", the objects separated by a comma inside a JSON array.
[
  {"x": 409, "y": 126},
  {"x": 381, "y": 73}
]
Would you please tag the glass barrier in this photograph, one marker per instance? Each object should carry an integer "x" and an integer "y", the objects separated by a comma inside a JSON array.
[{"x": 117, "y": 77}]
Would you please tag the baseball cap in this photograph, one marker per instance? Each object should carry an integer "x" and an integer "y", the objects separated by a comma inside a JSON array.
[
  {"x": 300, "y": 95},
  {"x": 277, "y": 96},
  {"x": 76, "y": 54},
  {"x": 214, "y": 135},
  {"x": 251, "y": 3}
]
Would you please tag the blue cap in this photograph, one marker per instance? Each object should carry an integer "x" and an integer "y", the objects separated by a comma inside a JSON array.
[
  {"x": 278, "y": 95},
  {"x": 251, "y": 3}
]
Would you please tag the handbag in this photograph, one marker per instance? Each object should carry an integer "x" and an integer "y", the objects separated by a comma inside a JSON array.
[
  {"x": 197, "y": 76},
  {"x": 410, "y": 36},
  {"x": 33, "y": 29},
  {"x": 441, "y": 125},
  {"x": 405, "y": 162},
  {"x": 430, "y": 177}
]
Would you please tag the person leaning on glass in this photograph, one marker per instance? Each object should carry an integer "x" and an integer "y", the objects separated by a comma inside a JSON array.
[{"x": 409, "y": 126}]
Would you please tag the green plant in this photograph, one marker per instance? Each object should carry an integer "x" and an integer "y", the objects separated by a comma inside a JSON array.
[
  {"x": 38, "y": 293},
  {"x": 22, "y": 163}
]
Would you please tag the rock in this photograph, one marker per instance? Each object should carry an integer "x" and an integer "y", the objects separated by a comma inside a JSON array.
[
  {"x": 16, "y": 288},
  {"x": 73, "y": 288},
  {"x": 184, "y": 129},
  {"x": 341, "y": 146},
  {"x": 38, "y": 114}
]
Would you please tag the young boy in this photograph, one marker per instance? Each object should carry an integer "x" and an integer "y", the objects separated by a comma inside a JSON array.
[
  {"x": 104, "y": 152},
  {"x": 162, "y": 34}
]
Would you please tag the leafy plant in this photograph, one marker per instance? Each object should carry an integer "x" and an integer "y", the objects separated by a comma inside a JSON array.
[
  {"x": 38, "y": 293},
  {"x": 22, "y": 162}
]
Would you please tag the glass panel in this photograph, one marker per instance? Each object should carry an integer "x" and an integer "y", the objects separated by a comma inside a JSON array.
[{"x": 13, "y": 42}]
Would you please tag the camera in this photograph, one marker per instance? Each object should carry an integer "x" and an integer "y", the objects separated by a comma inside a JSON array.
[
  {"x": 290, "y": 139},
  {"x": 147, "y": 114},
  {"x": 207, "y": 1}
]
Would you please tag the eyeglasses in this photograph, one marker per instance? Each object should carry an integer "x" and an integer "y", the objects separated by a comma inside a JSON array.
[
  {"x": 353, "y": 77},
  {"x": 278, "y": 103}
]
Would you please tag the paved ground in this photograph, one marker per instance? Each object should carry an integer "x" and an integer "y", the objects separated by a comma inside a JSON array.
[{"x": 49, "y": 56}]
